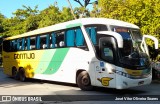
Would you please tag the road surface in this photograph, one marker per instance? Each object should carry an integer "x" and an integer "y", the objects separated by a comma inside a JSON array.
[{"x": 70, "y": 93}]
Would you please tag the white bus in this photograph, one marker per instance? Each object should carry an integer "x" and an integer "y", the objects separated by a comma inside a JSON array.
[{"x": 88, "y": 51}]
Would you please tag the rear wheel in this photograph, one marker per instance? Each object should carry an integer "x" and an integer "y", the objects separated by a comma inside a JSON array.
[
  {"x": 22, "y": 76},
  {"x": 14, "y": 73},
  {"x": 83, "y": 81}
]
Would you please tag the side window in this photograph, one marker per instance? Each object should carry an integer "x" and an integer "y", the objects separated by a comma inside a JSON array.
[
  {"x": 32, "y": 43},
  {"x": 70, "y": 38},
  {"x": 75, "y": 38},
  {"x": 53, "y": 40},
  {"x": 92, "y": 31},
  {"x": 23, "y": 45},
  {"x": 42, "y": 42},
  {"x": 107, "y": 54},
  {"x": 13, "y": 45},
  {"x": 19, "y": 44},
  {"x": 107, "y": 49},
  {"x": 80, "y": 41},
  {"x": 60, "y": 39}
]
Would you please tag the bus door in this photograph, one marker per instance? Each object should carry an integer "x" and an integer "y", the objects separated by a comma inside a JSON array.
[{"x": 104, "y": 68}]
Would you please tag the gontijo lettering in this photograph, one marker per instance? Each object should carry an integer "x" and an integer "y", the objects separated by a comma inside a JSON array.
[{"x": 24, "y": 56}]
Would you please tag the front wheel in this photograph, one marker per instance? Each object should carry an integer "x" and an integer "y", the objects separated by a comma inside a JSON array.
[{"x": 83, "y": 81}]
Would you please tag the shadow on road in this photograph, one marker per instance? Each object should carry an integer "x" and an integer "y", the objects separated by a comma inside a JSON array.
[
  {"x": 120, "y": 92},
  {"x": 98, "y": 90},
  {"x": 8, "y": 82}
]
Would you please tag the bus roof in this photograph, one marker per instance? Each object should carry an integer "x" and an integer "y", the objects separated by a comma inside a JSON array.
[{"x": 74, "y": 23}]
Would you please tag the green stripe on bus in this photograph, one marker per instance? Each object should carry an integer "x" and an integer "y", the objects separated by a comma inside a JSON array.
[
  {"x": 44, "y": 61},
  {"x": 56, "y": 61},
  {"x": 73, "y": 25}
]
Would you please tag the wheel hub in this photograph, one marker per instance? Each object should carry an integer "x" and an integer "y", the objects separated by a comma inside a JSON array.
[{"x": 85, "y": 81}]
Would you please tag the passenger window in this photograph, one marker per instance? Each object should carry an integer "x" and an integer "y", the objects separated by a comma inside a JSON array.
[
  {"x": 70, "y": 38},
  {"x": 74, "y": 37},
  {"x": 23, "y": 45},
  {"x": 32, "y": 43},
  {"x": 60, "y": 39},
  {"x": 92, "y": 31},
  {"x": 13, "y": 45},
  {"x": 19, "y": 44},
  {"x": 53, "y": 40},
  {"x": 43, "y": 42},
  {"x": 79, "y": 38}
]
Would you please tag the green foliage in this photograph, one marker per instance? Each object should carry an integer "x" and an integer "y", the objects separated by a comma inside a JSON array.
[
  {"x": 95, "y": 11},
  {"x": 49, "y": 16},
  {"x": 52, "y": 15},
  {"x": 24, "y": 20},
  {"x": 13, "y": 26},
  {"x": 66, "y": 15},
  {"x": 28, "y": 19},
  {"x": 31, "y": 23},
  {"x": 1, "y": 20},
  {"x": 81, "y": 12},
  {"x": 144, "y": 13},
  {"x": 26, "y": 12}
]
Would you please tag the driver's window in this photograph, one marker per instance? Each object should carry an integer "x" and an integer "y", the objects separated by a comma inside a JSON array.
[
  {"x": 107, "y": 49},
  {"x": 107, "y": 54}
]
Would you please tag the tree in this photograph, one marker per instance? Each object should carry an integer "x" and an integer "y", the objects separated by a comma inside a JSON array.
[
  {"x": 24, "y": 20},
  {"x": 31, "y": 23},
  {"x": 49, "y": 16},
  {"x": 144, "y": 13},
  {"x": 86, "y": 2},
  {"x": 26, "y": 12},
  {"x": 83, "y": 11},
  {"x": 1, "y": 20},
  {"x": 66, "y": 15},
  {"x": 13, "y": 26},
  {"x": 95, "y": 11}
]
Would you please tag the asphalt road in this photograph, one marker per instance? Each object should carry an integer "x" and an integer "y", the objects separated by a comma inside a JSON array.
[{"x": 70, "y": 93}]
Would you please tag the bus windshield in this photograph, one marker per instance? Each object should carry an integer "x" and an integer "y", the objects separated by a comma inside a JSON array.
[
  {"x": 131, "y": 40},
  {"x": 131, "y": 54}
]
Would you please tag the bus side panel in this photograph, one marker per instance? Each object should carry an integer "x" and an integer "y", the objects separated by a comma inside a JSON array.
[
  {"x": 72, "y": 61},
  {"x": 9, "y": 62}
]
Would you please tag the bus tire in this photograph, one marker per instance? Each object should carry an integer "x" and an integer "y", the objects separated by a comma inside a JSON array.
[
  {"x": 22, "y": 76},
  {"x": 83, "y": 81},
  {"x": 14, "y": 73}
]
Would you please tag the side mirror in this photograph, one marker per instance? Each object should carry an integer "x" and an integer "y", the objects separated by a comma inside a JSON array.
[
  {"x": 155, "y": 50},
  {"x": 115, "y": 35},
  {"x": 152, "y": 38}
]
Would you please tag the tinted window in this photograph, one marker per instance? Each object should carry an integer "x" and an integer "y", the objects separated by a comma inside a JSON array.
[{"x": 92, "y": 31}]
